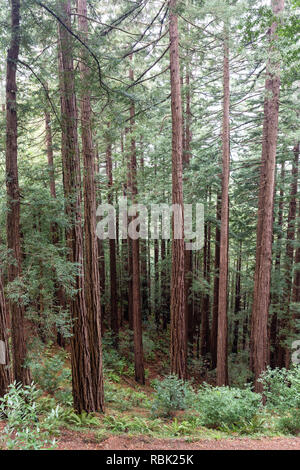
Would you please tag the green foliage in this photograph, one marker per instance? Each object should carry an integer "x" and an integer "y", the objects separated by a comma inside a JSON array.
[
  {"x": 281, "y": 388},
  {"x": 50, "y": 373},
  {"x": 115, "y": 364},
  {"x": 23, "y": 430},
  {"x": 171, "y": 394},
  {"x": 182, "y": 428},
  {"x": 68, "y": 416},
  {"x": 124, "y": 398},
  {"x": 238, "y": 368},
  {"x": 133, "y": 425},
  {"x": 290, "y": 424},
  {"x": 227, "y": 408}
]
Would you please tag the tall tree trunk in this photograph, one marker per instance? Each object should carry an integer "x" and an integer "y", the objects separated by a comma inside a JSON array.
[
  {"x": 21, "y": 373},
  {"x": 136, "y": 291},
  {"x": 222, "y": 367},
  {"x": 114, "y": 321},
  {"x": 289, "y": 261},
  {"x": 274, "y": 337},
  {"x": 178, "y": 321},
  {"x": 91, "y": 268},
  {"x": 156, "y": 284},
  {"x": 204, "y": 331},
  {"x": 261, "y": 297},
  {"x": 188, "y": 276},
  {"x": 101, "y": 254},
  {"x": 165, "y": 286},
  {"x": 82, "y": 381},
  {"x": 237, "y": 301},
  {"x": 296, "y": 282},
  {"x": 5, "y": 366},
  {"x": 214, "y": 325},
  {"x": 60, "y": 299}
]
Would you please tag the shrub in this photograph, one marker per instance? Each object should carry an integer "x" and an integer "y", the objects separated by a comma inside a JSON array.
[
  {"x": 49, "y": 372},
  {"x": 23, "y": 429},
  {"x": 281, "y": 388},
  {"x": 227, "y": 408},
  {"x": 290, "y": 424},
  {"x": 171, "y": 394}
]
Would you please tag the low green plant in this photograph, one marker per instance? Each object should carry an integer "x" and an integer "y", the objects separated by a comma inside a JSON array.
[
  {"x": 290, "y": 423},
  {"x": 68, "y": 416},
  {"x": 24, "y": 430},
  {"x": 179, "y": 428},
  {"x": 281, "y": 388},
  {"x": 227, "y": 408},
  {"x": 131, "y": 424},
  {"x": 171, "y": 394},
  {"x": 64, "y": 396},
  {"x": 49, "y": 371}
]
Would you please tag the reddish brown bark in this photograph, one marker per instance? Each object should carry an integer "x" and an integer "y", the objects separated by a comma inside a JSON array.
[
  {"x": 261, "y": 297},
  {"x": 237, "y": 301},
  {"x": 214, "y": 325},
  {"x": 114, "y": 321},
  {"x": 91, "y": 269},
  {"x": 188, "y": 276},
  {"x": 204, "y": 332},
  {"x": 82, "y": 380},
  {"x": 16, "y": 310},
  {"x": 136, "y": 293},
  {"x": 156, "y": 284},
  {"x": 165, "y": 286},
  {"x": 178, "y": 319},
  {"x": 275, "y": 351},
  {"x": 222, "y": 370},
  {"x": 296, "y": 282},
  {"x": 5, "y": 366},
  {"x": 287, "y": 324},
  {"x": 60, "y": 299}
]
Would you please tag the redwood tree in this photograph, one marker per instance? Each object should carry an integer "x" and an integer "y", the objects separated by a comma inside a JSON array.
[
  {"x": 178, "y": 321},
  {"x": 91, "y": 268},
  {"x": 82, "y": 380},
  {"x": 135, "y": 259},
  {"x": 114, "y": 321},
  {"x": 5, "y": 371},
  {"x": 261, "y": 297},
  {"x": 222, "y": 367},
  {"x": 16, "y": 309}
]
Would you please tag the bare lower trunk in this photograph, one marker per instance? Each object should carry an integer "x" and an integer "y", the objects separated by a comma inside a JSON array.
[
  {"x": 261, "y": 297},
  {"x": 291, "y": 229},
  {"x": 222, "y": 371},
  {"x": 5, "y": 366},
  {"x": 91, "y": 270},
  {"x": 136, "y": 293},
  {"x": 114, "y": 322},
  {"x": 16, "y": 309},
  {"x": 82, "y": 381},
  {"x": 214, "y": 326},
  {"x": 178, "y": 320}
]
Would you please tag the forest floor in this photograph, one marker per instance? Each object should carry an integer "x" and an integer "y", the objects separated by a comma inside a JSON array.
[
  {"x": 70, "y": 440},
  {"x": 130, "y": 421}
]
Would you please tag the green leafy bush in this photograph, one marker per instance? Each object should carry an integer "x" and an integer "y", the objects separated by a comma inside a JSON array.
[
  {"x": 227, "y": 408},
  {"x": 171, "y": 394},
  {"x": 23, "y": 430},
  {"x": 132, "y": 425},
  {"x": 290, "y": 424},
  {"x": 49, "y": 372},
  {"x": 68, "y": 416},
  {"x": 281, "y": 388}
]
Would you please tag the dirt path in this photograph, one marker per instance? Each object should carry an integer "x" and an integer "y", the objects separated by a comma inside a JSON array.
[{"x": 71, "y": 441}]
